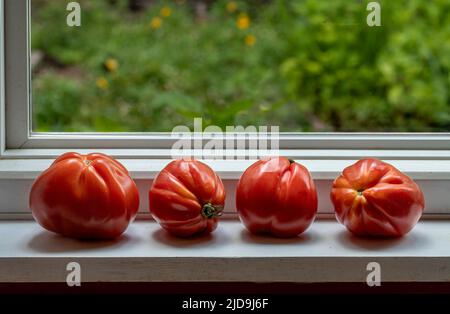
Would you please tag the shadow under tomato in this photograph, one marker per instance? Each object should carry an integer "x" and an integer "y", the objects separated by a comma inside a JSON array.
[
  {"x": 48, "y": 242},
  {"x": 412, "y": 239},
  {"x": 164, "y": 237},
  {"x": 308, "y": 237}
]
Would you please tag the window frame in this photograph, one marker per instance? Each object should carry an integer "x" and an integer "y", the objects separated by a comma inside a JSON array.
[
  {"x": 23, "y": 153},
  {"x": 2, "y": 82},
  {"x": 19, "y": 116}
]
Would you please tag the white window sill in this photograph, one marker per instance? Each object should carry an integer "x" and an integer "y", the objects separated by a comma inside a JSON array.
[
  {"x": 145, "y": 168},
  {"x": 326, "y": 253},
  {"x": 432, "y": 175}
]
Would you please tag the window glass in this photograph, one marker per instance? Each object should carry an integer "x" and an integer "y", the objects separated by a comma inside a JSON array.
[{"x": 306, "y": 65}]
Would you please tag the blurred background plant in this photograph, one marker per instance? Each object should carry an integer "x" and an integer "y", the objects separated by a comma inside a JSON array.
[{"x": 306, "y": 65}]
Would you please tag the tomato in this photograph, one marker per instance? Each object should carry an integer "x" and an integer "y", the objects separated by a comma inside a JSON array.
[
  {"x": 373, "y": 198},
  {"x": 85, "y": 196},
  {"x": 276, "y": 196},
  {"x": 186, "y": 198}
]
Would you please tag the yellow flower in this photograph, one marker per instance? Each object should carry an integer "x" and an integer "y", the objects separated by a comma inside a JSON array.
[
  {"x": 243, "y": 21},
  {"x": 102, "y": 83},
  {"x": 156, "y": 22},
  {"x": 165, "y": 12},
  {"x": 111, "y": 64},
  {"x": 250, "y": 40},
  {"x": 231, "y": 6}
]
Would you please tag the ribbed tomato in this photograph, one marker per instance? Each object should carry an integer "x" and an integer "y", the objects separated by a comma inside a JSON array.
[
  {"x": 373, "y": 198},
  {"x": 85, "y": 196},
  {"x": 186, "y": 198},
  {"x": 276, "y": 196}
]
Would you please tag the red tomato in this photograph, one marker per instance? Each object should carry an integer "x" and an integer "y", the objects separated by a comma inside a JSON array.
[
  {"x": 372, "y": 198},
  {"x": 186, "y": 198},
  {"x": 276, "y": 196},
  {"x": 85, "y": 196}
]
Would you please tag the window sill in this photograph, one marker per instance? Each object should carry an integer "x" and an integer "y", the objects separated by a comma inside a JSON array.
[
  {"x": 432, "y": 175},
  {"x": 325, "y": 253},
  {"x": 145, "y": 168}
]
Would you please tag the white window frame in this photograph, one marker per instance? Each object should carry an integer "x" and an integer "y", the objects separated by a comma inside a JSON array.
[{"x": 24, "y": 154}]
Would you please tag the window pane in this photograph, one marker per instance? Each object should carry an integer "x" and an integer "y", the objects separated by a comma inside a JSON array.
[{"x": 311, "y": 65}]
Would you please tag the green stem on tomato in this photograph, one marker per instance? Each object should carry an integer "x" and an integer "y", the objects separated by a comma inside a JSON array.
[{"x": 211, "y": 211}]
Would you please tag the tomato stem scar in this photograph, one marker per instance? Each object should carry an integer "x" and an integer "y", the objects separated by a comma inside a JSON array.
[{"x": 210, "y": 211}]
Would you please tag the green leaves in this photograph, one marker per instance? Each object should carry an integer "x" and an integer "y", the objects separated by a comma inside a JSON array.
[{"x": 310, "y": 65}]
